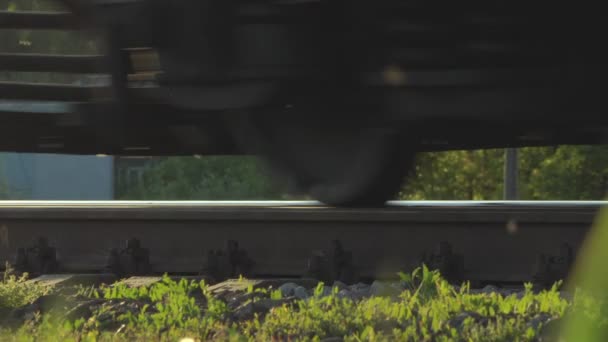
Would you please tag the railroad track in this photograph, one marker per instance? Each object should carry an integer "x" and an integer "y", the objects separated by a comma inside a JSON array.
[{"x": 479, "y": 241}]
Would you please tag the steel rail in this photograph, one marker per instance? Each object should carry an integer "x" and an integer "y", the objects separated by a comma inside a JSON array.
[{"x": 497, "y": 241}]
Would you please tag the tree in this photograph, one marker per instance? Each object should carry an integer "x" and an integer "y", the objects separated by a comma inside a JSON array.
[
  {"x": 546, "y": 173},
  {"x": 206, "y": 178},
  {"x": 570, "y": 172},
  {"x": 457, "y": 175}
]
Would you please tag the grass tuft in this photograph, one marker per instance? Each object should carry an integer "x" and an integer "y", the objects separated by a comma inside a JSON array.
[{"x": 16, "y": 291}]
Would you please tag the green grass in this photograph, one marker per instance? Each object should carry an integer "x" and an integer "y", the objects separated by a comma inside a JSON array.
[
  {"x": 17, "y": 291},
  {"x": 429, "y": 309}
]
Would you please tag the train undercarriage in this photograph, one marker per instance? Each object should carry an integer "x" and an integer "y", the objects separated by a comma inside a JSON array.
[{"x": 339, "y": 95}]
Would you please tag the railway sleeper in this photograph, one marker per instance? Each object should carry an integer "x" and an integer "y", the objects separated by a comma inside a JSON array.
[
  {"x": 330, "y": 266},
  {"x": 131, "y": 260},
  {"x": 444, "y": 259},
  {"x": 334, "y": 265},
  {"x": 231, "y": 262},
  {"x": 552, "y": 268},
  {"x": 41, "y": 258}
]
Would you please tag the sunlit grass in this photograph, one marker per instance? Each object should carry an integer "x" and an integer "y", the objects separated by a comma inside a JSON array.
[
  {"x": 17, "y": 291},
  {"x": 427, "y": 309}
]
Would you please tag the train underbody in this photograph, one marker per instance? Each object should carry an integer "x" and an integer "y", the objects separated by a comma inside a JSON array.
[{"x": 339, "y": 95}]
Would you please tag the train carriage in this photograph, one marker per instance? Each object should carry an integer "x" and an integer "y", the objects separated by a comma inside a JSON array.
[{"x": 339, "y": 95}]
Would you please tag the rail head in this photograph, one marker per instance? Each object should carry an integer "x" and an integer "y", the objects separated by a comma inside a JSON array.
[{"x": 398, "y": 211}]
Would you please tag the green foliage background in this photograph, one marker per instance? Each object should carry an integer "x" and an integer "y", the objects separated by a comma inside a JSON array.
[
  {"x": 546, "y": 173},
  {"x": 205, "y": 178}
]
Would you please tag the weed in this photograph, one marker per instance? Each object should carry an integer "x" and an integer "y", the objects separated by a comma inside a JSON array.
[{"x": 17, "y": 291}]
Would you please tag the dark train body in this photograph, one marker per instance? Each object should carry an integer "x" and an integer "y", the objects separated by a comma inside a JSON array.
[{"x": 338, "y": 94}]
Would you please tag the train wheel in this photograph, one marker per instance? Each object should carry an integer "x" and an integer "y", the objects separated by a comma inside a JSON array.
[
  {"x": 338, "y": 161},
  {"x": 369, "y": 180}
]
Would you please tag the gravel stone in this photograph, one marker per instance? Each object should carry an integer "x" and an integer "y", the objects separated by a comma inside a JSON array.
[
  {"x": 345, "y": 294},
  {"x": 398, "y": 285},
  {"x": 327, "y": 290},
  {"x": 300, "y": 292},
  {"x": 541, "y": 318},
  {"x": 459, "y": 319},
  {"x": 236, "y": 301},
  {"x": 359, "y": 287},
  {"x": 260, "y": 307},
  {"x": 360, "y": 291},
  {"x": 488, "y": 289},
  {"x": 550, "y": 329},
  {"x": 233, "y": 287},
  {"x": 507, "y": 292},
  {"x": 51, "y": 301},
  {"x": 382, "y": 289},
  {"x": 104, "y": 316},
  {"x": 247, "y": 311},
  {"x": 287, "y": 289},
  {"x": 359, "y": 295},
  {"x": 83, "y": 309},
  {"x": 340, "y": 285},
  {"x": 377, "y": 288}
]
